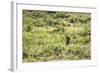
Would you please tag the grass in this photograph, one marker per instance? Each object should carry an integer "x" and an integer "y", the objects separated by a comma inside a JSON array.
[{"x": 44, "y": 36}]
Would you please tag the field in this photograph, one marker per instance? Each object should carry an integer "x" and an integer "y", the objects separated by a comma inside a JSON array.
[{"x": 56, "y": 36}]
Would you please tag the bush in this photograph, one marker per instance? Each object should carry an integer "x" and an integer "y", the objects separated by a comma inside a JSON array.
[{"x": 44, "y": 36}]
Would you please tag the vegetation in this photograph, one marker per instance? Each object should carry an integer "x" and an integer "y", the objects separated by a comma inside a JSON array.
[{"x": 55, "y": 35}]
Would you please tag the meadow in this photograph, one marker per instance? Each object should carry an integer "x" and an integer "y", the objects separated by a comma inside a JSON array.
[{"x": 56, "y": 36}]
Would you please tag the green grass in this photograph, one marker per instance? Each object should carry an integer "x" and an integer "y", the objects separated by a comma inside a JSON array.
[{"x": 44, "y": 36}]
